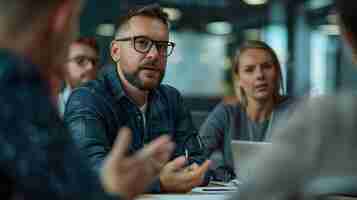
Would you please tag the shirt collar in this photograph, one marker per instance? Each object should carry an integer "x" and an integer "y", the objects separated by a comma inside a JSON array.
[{"x": 66, "y": 92}]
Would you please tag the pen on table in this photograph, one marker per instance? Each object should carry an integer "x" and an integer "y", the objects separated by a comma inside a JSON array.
[
  {"x": 219, "y": 189},
  {"x": 187, "y": 161},
  {"x": 186, "y": 155}
]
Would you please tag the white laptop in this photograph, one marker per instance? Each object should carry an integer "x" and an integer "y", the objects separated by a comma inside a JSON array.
[{"x": 244, "y": 155}]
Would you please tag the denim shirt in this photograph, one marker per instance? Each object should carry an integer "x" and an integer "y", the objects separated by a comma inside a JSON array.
[
  {"x": 38, "y": 159},
  {"x": 97, "y": 110}
]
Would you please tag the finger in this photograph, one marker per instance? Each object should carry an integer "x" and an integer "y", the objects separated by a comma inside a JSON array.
[
  {"x": 157, "y": 146},
  {"x": 201, "y": 170},
  {"x": 192, "y": 167},
  {"x": 176, "y": 164},
  {"x": 163, "y": 154},
  {"x": 157, "y": 165},
  {"x": 199, "y": 173},
  {"x": 120, "y": 147},
  {"x": 146, "y": 156},
  {"x": 187, "y": 180},
  {"x": 195, "y": 177},
  {"x": 186, "y": 175},
  {"x": 161, "y": 160},
  {"x": 162, "y": 157},
  {"x": 154, "y": 155}
]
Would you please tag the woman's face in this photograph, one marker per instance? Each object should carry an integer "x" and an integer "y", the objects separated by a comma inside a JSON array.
[{"x": 258, "y": 75}]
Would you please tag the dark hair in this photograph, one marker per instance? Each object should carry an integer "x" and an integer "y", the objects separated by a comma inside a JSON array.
[
  {"x": 89, "y": 41},
  {"x": 255, "y": 44},
  {"x": 348, "y": 16},
  {"x": 151, "y": 10}
]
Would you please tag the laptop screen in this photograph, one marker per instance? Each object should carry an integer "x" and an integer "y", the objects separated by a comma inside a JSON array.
[{"x": 244, "y": 154}]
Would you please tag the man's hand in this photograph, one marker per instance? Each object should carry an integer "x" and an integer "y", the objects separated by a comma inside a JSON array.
[
  {"x": 129, "y": 176},
  {"x": 174, "y": 177}
]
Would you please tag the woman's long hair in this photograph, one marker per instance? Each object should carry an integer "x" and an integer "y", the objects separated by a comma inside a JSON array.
[{"x": 255, "y": 44}]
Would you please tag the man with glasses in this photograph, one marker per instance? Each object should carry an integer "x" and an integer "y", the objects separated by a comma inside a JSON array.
[
  {"x": 38, "y": 158},
  {"x": 82, "y": 66},
  {"x": 131, "y": 94}
]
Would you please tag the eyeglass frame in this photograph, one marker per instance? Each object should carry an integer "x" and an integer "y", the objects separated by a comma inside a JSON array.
[{"x": 156, "y": 42}]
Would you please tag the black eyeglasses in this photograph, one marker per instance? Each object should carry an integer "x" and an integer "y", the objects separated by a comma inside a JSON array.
[{"x": 143, "y": 44}]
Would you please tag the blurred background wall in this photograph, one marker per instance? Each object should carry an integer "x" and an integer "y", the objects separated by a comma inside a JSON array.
[{"x": 304, "y": 33}]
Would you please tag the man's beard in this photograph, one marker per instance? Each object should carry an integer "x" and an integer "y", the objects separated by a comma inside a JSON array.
[{"x": 134, "y": 79}]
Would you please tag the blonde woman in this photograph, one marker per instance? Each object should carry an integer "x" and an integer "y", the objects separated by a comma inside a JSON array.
[{"x": 260, "y": 104}]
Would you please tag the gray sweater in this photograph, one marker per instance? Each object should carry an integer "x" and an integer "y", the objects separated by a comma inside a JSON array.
[
  {"x": 313, "y": 155},
  {"x": 230, "y": 121}
]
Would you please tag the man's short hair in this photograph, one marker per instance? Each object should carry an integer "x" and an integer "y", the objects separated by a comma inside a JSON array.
[
  {"x": 151, "y": 10},
  {"x": 347, "y": 11},
  {"x": 89, "y": 41}
]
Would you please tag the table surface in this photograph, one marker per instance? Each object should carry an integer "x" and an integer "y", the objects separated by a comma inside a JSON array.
[
  {"x": 210, "y": 195},
  {"x": 188, "y": 196}
]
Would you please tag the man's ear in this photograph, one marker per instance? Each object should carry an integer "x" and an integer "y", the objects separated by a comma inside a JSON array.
[
  {"x": 61, "y": 15},
  {"x": 114, "y": 51}
]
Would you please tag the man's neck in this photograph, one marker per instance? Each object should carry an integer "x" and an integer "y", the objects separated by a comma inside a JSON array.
[
  {"x": 138, "y": 96},
  {"x": 259, "y": 111}
]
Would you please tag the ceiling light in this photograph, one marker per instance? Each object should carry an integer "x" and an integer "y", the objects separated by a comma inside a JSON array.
[
  {"x": 317, "y": 4},
  {"x": 219, "y": 28},
  {"x": 330, "y": 29},
  {"x": 106, "y": 30},
  {"x": 174, "y": 14},
  {"x": 255, "y": 2}
]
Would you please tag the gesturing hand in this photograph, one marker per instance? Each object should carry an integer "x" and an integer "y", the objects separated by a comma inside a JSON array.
[
  {"x": 174, "y": 177},
  {"x": 131, "y": 175}
]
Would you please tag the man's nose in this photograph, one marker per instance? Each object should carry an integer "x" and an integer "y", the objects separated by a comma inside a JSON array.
[{"x": 153, "y": 52}]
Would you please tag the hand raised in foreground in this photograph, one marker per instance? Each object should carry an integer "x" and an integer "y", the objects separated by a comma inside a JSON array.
[
  {"x": 174, "y": 177},
  {"x": 129, "y": 176}
]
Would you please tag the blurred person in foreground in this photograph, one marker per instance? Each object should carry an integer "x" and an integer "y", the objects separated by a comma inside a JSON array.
[
  {"x": 315, "y": 153},
  {"x": 130, "y": 94},
  {"x": 81, "y": 66},
  {"x": 259, "y": 107},
  {"x": 38, "y": 159}
]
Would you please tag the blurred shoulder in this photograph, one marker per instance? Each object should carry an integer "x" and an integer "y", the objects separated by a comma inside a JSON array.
[
  {"x": 340, "y": 104},
  {"x": 318, "y": 118}
]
